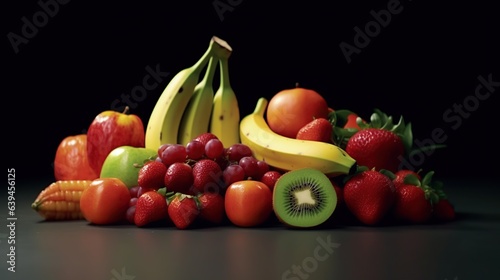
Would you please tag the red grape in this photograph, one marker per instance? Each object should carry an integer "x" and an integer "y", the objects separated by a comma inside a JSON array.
[
  {"x": 250, "y": 166},
  {"x": 133, "y": 191},
  {"x": 214, "y": 148},
  {"x": 195, "y": 150},
  {"x": 130, "y": 214},
  {"x": 233, "y": 173},
  {"x": 236, "y": 151},
  {"x": 162, "y": 148},
  {"x": 262, "y": 167},
  {"x": 132, "y": 202},
  {"x": 173, "y": 153}
]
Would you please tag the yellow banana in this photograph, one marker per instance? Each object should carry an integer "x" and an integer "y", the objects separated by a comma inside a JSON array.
[
  {"x": 164, "y": 121},
  {"x": 196, "y": 118},
  {"x": 288, "y": 153},
  {"x": 225, "y": 118}
]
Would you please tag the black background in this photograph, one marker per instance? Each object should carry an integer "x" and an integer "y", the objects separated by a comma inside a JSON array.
[{"x": 423, "y": 62}]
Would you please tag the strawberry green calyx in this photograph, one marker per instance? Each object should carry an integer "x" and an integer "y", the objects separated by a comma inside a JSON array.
[
  {"x": 338, "y": 119},
  {"x": 379, "y": 120},
  {"x": 433, "y": 189},
  {"x": 404, "y": 130}
]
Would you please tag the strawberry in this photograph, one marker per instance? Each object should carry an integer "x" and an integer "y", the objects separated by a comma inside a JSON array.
[
  {"x": 352, "y": 121},
  {"x": 444, "y": 211},
  {"x": 207, "y": 176},
  {"x": 401, "y": 174},
  {"x": 212, "y": 207},
  {"x": 412, "y": 204},
  {"x": 150, "y": 207},
  {"x": 415, "y": 197},
  {"x": 376, "y": 148},
  {"x": 319, "y": 129},
  {"x": 151, "y": 175},
  {"x": 183, "y": 210},
  {"x": 179, "y": 177},
  {"x": 369, "y": 195}
]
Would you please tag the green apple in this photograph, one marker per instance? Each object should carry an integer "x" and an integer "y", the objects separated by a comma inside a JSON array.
[{"x": 124, "y": 162}]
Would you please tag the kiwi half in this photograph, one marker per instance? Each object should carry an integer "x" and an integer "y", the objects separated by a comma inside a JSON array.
[{"x": 304, "y": 198}]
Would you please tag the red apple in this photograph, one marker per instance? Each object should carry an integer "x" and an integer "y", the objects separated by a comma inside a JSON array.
[{"x": 109, "y": 130}]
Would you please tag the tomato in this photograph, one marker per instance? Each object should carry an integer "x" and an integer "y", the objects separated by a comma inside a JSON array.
[
  {"x": 290, "y": 109},
  {"x": 105, "y": 201},
  {"x": 71, "y": 161},
  {"x": 248, "y": 203}
]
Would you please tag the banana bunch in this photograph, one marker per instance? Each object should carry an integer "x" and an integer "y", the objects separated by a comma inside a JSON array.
[
  {"x": 288, "y": 153},
  {"x": 187, "y": 105}
]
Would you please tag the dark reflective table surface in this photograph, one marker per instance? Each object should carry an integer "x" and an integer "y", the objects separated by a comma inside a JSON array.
[{"x": 465, "y": 249}]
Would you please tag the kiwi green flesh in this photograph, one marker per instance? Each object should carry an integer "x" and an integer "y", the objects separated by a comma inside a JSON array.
[{"x": 304, "y": 198}]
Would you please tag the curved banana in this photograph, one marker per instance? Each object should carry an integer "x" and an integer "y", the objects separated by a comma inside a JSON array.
[
  {"x": 164, "y": 121},
  {"x": 225, "y": 118},
  {"x": 196, "y": 118},
  {"x": 287, "y": 153}
]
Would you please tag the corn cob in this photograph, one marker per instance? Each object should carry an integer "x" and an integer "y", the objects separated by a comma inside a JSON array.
[{"x": 61, "y": 200}]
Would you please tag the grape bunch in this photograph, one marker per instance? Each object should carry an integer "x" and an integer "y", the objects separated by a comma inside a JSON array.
[{"x": 203, "y": 165}]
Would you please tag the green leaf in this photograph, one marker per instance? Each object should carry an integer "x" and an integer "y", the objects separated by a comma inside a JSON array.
[
  {"x": 427, "y": 179},
  {"x": 411, "y": 179},
  {"x": 375, "y": 121},
  {"x": 407, "y": 138},
  {"x": 388, "y": 173}
]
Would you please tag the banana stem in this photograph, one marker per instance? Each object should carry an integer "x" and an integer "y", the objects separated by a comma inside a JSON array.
[
  {"x": 224, "y": 73},
  {"x": 200, "y": 64},
  {"x": 223, "y": 49},
  {"x": 209, "y": 74}
]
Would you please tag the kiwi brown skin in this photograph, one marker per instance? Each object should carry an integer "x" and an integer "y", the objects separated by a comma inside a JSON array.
[{"x": 304, "y": 178}]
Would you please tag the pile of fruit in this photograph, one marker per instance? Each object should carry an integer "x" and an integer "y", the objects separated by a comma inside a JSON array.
[{"x": 293, "y": 161}]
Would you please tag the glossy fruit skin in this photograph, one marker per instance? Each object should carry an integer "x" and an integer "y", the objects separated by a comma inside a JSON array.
[
  {"x": 411, "y": 205},
  {"x": 151, "y": 207},
  {"x": 183, "y": 211},
  {"x": 151, "y": 175},
  {"x": 369, "y": 196},
  {"x": 71, "y": 160},
  {"x": 376, "y": 148},
  {"x": 124, "y": 163},
  {"x": 319, "y": 129},
  {"x": 105, "y": 201},
  {"x": 248, "y": 203},
  {"x": 270, "y": 177},
  {"x": 110, "y": 130},
  {"x": 207, "y": 176},
  {"x": 212, "y": 207},
  {"x": 291, "y": 109}
]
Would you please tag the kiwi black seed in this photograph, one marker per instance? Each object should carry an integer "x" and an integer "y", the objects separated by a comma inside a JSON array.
[{"x": 304, "y": 198}]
